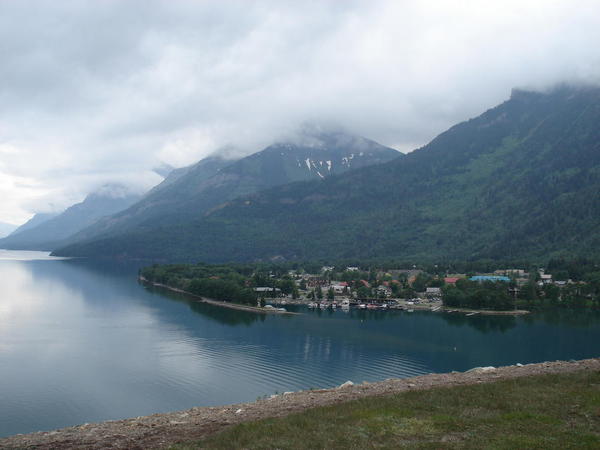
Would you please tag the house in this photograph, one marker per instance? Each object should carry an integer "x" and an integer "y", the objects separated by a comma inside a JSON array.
[
  {"x": 352, "y": 269},
  {"x": 451, "y": 280},
  {"x": 327, "y": 269},
  {"x": 339, "y": 287},
  {"x": 266, "y": 289},
  {"x": 384, "y": 290},
  {"x": 511, "y": 272},
  {"x": 365, "y": 283},
  {"x": 433, "y": 292},
  {"x": 546, "y": 278},
  {"x": 495, "y": 278}
]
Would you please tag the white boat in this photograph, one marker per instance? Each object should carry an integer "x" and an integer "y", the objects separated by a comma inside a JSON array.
[
  {"x": 362, "y": 306},
  {"x": 312, "y": 305}
]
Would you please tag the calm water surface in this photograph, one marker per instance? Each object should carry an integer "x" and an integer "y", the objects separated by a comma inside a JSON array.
[{"x": 82, "y": 341}]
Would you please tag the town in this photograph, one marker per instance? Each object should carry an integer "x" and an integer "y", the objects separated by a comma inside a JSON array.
[{"x": 431, "y": 288}]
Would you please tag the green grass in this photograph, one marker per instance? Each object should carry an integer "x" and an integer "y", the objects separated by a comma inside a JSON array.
[{"x": 548, "y": 411}]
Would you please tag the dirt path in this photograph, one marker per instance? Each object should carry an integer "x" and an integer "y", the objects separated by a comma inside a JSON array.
[{"x": 161, "y": 430}]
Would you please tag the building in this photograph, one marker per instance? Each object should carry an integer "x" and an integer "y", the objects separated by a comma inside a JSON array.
[
  {"x": 545, "y": 278},
  {"x": 266, "y": 289},
  {"x": 384, "y": 290},
  {"x": 511, "y": 272},
  {"x": 495, "y": 278},
  {"x": 339, "y": 287},
  {"x": 433, "y": 292},
  {"x": 451, "y": 280}
]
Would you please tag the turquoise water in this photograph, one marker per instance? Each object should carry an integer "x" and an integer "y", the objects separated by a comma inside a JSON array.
[{"x": 82, "y": 341}]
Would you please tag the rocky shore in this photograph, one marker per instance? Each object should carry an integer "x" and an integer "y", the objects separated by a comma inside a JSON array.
[{"x": 162, "y": 430}]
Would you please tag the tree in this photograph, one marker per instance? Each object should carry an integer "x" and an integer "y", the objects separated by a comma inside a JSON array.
[
  {"x": 319, "y": 293},
  {"x": 330, "y": 294},
  {"x": 363, "y": 292}
]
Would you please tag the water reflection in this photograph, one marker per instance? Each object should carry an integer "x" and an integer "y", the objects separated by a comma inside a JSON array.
[
  {"x": 482, "y": 323},
  {"x": 82, "y": 341},
  {"x": 221, "y": 315}
]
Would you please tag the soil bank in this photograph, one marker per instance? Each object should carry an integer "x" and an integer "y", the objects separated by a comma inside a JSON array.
[{"x": 162, "y": 430}]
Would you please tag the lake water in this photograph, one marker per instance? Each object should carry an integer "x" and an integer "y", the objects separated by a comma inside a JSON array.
[{"x": 82, "y": 341}]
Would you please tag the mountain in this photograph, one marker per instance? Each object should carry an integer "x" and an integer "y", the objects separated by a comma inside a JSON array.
[
  {"x": 45, "y": 233},
  {"x": 6, "y": 228},
  {"x": 187, "y": 194},
  {"x": 522, "y": 180},
  {"x": 36, "y": 220}
]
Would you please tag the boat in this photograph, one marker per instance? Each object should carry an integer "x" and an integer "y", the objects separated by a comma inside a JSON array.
[
  {"x": 324, "y": 305},
  {"x": 362, "y": 306},
  {"x": 312, "y": 305},
  {"x": 472, "y": 313},
  {"x": 372, "y": 306}
]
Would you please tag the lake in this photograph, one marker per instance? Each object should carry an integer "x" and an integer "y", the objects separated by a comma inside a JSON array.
[{"x": 82, "y": 341}]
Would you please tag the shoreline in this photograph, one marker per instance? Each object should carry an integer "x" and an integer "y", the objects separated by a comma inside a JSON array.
[
  {"x": 486, "y": 312},
  {"x": 416, "y": 307},
  {"x": 222, "y": 304},
  {"x": 162, "y": 430}
]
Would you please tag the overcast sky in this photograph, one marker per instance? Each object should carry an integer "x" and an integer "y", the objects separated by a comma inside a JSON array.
[{"x": 103, "y": 91}]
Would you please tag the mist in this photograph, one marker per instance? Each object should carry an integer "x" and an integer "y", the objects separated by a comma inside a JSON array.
[{"x": 94, "y": 93}]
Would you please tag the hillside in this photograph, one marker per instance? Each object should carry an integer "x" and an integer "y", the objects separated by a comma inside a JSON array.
[
  {"x": 6, "y": 228},
  {"x": 36, "y": 220},
  {"x": 188, "y": 193},
  {"x": 520, "y": 180},
  {"x": 45, "y": 232}
]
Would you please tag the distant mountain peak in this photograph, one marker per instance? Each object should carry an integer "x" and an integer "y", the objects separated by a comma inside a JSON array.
[{"x": 519, "y": 181}]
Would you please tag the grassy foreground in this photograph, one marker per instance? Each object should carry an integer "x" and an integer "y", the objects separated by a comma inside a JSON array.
[{"x": 545, "y": 411}]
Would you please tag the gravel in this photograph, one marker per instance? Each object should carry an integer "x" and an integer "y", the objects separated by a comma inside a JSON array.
[{"x": 162, "y": 430}]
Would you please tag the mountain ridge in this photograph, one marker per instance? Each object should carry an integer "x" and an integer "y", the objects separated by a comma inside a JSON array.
[
  {"x": 46, "y": 232},
  {"x": 521, "y": 179},
  {"x": 189, "y": 193}
]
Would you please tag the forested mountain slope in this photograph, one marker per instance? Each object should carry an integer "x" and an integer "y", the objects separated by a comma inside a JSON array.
[
  {"x": 521, "y": 180},
  {"x": 188, "y": 193},
  {"x": 45, "y": 232}
]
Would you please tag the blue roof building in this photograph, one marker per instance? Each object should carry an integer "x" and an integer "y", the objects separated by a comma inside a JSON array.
[{"x": 489, "y": 278}]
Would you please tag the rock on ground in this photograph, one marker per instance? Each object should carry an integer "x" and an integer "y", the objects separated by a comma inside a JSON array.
[{"x": 161, "y": 430}]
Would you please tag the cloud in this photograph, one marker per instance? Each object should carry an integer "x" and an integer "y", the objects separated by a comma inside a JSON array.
[{"x": 94, "y": 92}]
